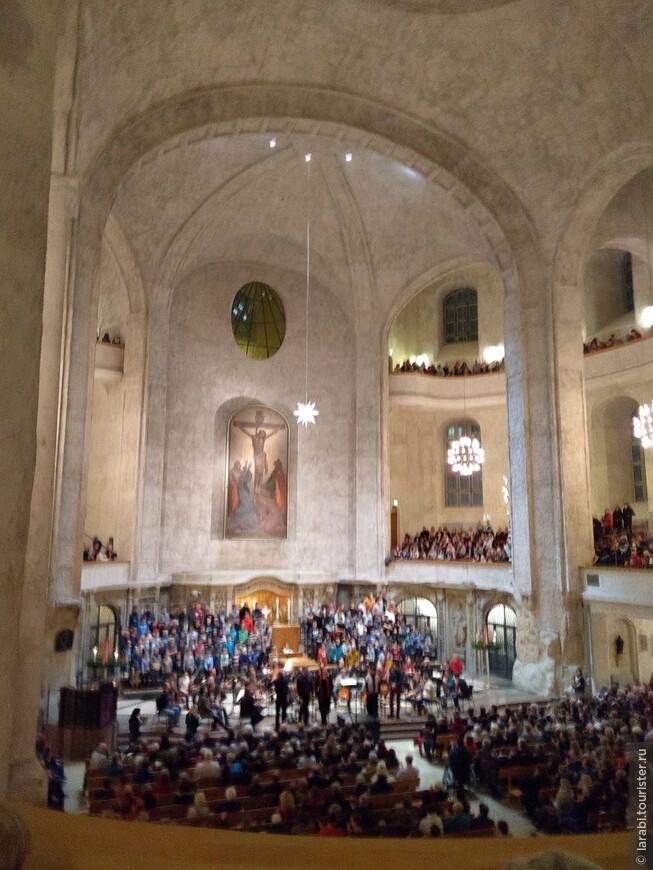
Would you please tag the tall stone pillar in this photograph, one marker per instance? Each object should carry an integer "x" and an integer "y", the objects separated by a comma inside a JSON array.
[
  {"x": 470, "y": 663},
  {"x": 131, "y": 433},
  {"x": 551, "y": 520},
  {"x": 371, "y": 534},
  {"x": 148, "y": 528},
  {"x": 27, "y": 60}
]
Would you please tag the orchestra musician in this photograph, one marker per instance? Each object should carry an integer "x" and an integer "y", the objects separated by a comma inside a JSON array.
[
  {"x": 372, "y": 689},
  {"x": 210, "y": 706},
  {"x": 383, "y": 665},
  {"x": 282, "y": 694},
  {"x": 249, "y": 709},
  {"x": 458, "y": 689},
  {"x": 396, "y": 680},
  {"x": 340, "y": 690},
  {"x": 352, "y": 658},
  {"x": 304, "y": 693},
  {"x": 415, "y": 691},
  {"x": 323, "y": 693}
]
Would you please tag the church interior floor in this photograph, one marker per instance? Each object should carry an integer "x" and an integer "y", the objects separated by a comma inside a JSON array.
[{"x": 500, "y": 693}]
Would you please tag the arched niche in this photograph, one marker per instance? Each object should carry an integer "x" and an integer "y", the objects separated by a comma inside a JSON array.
[
  {"x": 224, "y": 458},
  {"x": 611, "y": 454},
  {"x": 417, "y": 327}
]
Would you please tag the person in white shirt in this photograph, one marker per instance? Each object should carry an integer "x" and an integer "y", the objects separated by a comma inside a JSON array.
[
  {"x": 408, "y": 772},
  {"x": 430, "y": 819}
]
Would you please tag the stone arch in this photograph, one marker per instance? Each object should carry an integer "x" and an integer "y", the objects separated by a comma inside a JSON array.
[
  {"x": 475, "y": 272},
  {"x": 489, "y": 201},
  {"x": 603, "y": 181},
  {"x": 294, "y": 108},
  {"x": 123, "y": 255},
  {"x": 611, "y": 461}
]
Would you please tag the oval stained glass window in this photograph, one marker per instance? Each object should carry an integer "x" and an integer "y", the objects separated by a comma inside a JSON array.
[{"x": 258, "y": 320}]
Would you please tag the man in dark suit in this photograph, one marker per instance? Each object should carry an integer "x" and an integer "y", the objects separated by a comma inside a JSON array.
[
  {"x": 304, "y": 692},
  {"x": 282, "y": 693}
]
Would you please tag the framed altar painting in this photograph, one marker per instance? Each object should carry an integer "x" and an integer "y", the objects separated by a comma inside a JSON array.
[{"x": 257, "y": 484}]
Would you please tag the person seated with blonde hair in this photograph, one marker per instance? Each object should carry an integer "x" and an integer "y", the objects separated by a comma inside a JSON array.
[
  {"x": 458, "y": 821},
  {"x": 200, "y": 809},
  {"x": 208, "y": 767},
  {"x": 287, "y": 809},
  {"x": 381, "y": 781},
  {"x": 231, "y": 803}
]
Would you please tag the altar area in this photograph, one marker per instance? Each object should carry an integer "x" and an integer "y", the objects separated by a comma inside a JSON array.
[{"x": 285, "y": 637}]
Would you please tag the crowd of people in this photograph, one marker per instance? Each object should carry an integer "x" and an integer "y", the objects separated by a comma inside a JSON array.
[
  {"x": 616, "y": 543},
  {"x": 194, "y": 649},
  {"x": 481, "y": 544},
  {"x": 480, "y": 367},
  {"x": 573, "y": 754},
  {"x": 326, "y": 779},
  {"x": 96, "y": 551},
  {"x": 341, "y": 771},
  {"x": 596, "y": 344},
  {"x": 380, "y": 658},
  {"x": 456, "y": 369}
]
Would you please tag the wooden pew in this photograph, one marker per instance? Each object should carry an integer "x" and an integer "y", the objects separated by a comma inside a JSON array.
[{"x": 514, "y": 774}]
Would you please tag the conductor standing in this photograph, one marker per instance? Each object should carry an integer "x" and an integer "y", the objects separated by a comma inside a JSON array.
[
  {"x": 282, "y": 692},
  {"x": 304, "y": 692}
]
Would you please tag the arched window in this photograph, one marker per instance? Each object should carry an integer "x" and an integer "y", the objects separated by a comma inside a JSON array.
[
  {"x": 258, "y": 320},
  {"x": 461, "y": 316},
  {"x": 627, "y": 282},
  {"x": 459, "y": 490},
  {"x": 639, "y": 471}
]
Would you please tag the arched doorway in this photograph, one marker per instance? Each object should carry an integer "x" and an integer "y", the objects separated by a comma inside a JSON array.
[
  {"x": 421, "y": 613},
  {"x": 501, "y": 627}
]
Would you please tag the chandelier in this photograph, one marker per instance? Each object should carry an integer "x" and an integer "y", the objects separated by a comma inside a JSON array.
[
  {"x": 643, "y": 426},
  {"x": 465, "y": 454}
]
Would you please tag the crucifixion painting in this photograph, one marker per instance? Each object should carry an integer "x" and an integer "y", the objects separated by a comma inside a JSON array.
[{"x": 257, "y": 495}]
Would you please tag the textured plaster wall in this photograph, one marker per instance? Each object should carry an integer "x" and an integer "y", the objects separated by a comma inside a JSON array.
[
  {"x": 102, "y": 505},
  {"x": 27, "y": 40},
  {"x": 113, "y": 304},
  {"x": 207, "y": 370},
  {"x": 616, "y": 382},
  {"x": 635, "y": 626},
  {"x": 610, "y": 457},
  {"x": 604, "y": 290}
]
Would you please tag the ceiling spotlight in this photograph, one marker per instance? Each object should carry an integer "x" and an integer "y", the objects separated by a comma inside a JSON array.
[
  {"x": 307, "y": 157},
  {"x": 348, "y": 157},
  {"x": 273, "y": 143}
]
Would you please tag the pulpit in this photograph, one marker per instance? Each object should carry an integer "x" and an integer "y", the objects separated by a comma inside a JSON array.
[{"x": 86, "y": 716}]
